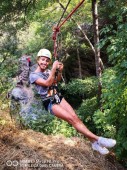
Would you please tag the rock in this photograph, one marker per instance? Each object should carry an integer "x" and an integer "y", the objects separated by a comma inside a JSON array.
[
  {"x": 19, "y": 94},
  {"x": 26, "y": 105}
]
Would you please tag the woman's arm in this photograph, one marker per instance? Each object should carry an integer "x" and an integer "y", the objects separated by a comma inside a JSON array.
[{"x": 51, "y": 77}]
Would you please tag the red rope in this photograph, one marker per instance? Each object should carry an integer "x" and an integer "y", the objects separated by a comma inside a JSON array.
[
  {"x": 57, "y": 28},
  {"x": 71, "y": 13},
  {"x": 54, "y": 37}
]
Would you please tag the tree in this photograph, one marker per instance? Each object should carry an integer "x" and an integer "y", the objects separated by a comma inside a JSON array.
[
  {"x": 114, "y": 92},
  {"x": 96, "y": 43}
]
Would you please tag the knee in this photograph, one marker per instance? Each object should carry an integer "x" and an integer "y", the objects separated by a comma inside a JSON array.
[{"x": 73, "y": 119}]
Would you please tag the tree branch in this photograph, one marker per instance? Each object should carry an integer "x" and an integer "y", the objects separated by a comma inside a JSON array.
[{"x": 85, "y": 36}]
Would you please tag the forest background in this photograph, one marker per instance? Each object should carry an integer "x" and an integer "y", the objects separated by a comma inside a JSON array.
[{"x": 27, "y": 25}]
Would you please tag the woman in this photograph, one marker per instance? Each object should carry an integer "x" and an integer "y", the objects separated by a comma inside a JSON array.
[{"x": 43, "y": 78}]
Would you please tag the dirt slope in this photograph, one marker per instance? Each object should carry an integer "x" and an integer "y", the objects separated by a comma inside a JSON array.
[{"x": 28, "y": 150}]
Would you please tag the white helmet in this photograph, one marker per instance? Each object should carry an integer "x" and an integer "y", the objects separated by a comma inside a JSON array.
[{"x": 44, "y": 53}]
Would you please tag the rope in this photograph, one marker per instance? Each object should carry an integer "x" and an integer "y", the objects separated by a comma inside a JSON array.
[
  {"x": 56, "y": 29},
  {"x": 59, "y": 45},
  {"x": 63, "y": 12},
  {"x": 71, "y": 13}
]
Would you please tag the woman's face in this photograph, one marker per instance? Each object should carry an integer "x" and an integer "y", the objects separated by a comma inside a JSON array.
[{"x": 43, "y": 62}]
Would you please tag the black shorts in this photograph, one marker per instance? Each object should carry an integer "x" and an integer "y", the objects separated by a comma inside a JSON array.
[{"x": 50, "y": 101}]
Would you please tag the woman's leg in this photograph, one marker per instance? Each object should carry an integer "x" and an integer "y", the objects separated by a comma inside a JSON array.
[{"x": 66, "y": 112}]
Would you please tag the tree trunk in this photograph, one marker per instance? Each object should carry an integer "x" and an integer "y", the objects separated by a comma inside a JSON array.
[{"x": 96, "y": 41}]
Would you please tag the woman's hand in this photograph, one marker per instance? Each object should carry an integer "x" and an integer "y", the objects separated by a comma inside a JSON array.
[
  {"x": 58, "y": 65},
  {"x": 55, "y": 65}
]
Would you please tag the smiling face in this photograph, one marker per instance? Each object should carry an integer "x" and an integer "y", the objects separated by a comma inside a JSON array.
[{"x": 43, "y": 62}]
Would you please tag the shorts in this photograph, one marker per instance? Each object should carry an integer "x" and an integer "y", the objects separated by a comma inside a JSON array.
[{"x": 49, "y": 102}]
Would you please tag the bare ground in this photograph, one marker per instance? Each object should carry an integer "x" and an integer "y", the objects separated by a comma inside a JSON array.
[{"x": 29, "y": 150}]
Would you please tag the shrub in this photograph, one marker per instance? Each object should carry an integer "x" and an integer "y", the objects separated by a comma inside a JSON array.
[
  {"x": 86, "y": 112},
  {"x": 77, "y": 90},
  {"x": 112, "y": 120}
]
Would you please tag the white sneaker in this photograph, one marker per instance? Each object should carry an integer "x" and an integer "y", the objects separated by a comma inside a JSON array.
[
  {"x": 100, "y": 149},
  {"x": 106, "y": 142}
]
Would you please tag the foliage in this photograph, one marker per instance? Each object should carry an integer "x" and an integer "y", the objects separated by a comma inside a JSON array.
[
  {"x": 114, "y": 95},
  {"x": 26, "y": 26},
  {"x": 100, "y": 118},
  {"x": 45, "y": 18},
  {"x": 83, "y": 88},
  {"x": 55, "y": 126},
  {"x": 86, "y": 112},
  {"x": 12, "y": 19},
  {"x": 49, "y": 124},
  {"x": 111, "y": 120},
  {"x": 8, "y": 66}
]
